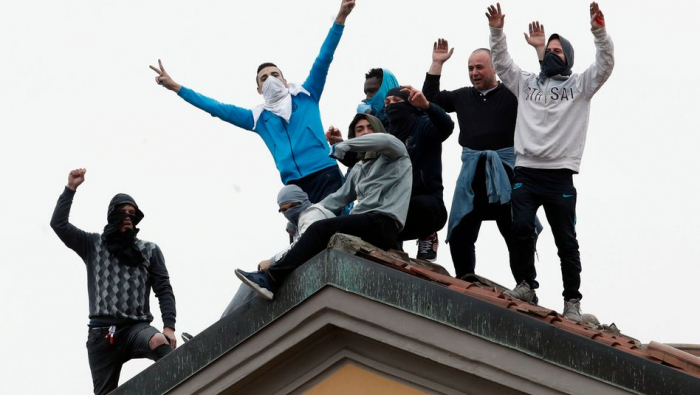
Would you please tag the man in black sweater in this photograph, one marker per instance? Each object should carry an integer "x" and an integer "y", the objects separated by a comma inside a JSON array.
[
  {"x": 422, "y": 126},
  {"x": 486, "y": 113},
  {"x": 121, "y": 272}
]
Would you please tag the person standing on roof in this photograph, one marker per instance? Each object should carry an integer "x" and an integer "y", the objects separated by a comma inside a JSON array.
[
  {"x": 289, "y": 121},
  {"x": 121, "y": 270},
  {"x": 381, "y": 184},
  {"x": 422, "y": 127},
  {"x": 486, "y": 112},
  {"x": 550, "y": 134}
]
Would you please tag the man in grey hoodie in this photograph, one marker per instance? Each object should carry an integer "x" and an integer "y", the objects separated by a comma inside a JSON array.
[
  {"x": 550, "y": 134},
  {"x": 381, "y": 186}
]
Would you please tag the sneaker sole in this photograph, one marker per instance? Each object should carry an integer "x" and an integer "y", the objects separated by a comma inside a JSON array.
[{"x": 265, "y": 293}]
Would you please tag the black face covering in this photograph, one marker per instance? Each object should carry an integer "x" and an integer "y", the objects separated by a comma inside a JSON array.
[
  {"x": 553, "y": 65},
  {"x": 401, "y": 116},
  {"x": 122, "y": 244}
]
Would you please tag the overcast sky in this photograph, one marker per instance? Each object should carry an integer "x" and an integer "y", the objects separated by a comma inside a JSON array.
[{"x": 76, "y": 91}]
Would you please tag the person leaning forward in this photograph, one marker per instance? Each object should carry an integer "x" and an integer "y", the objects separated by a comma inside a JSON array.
[
  {"x": 121, "y": 269},
  {"x": 289, "y": 121}
]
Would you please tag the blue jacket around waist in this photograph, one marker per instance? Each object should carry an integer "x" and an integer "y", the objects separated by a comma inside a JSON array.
[
  {"x": 498, "y": 186},
  {"x": 299, "y": 146}
]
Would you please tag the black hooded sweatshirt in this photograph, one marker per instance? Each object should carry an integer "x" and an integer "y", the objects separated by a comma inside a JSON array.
[{"x": 423, "y": 133}]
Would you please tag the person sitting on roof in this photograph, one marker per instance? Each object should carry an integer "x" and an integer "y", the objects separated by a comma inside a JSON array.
[
  {"x": 289, "y": 122},
  {"x": 294, "y": 204},
  {"x": 381, "y": 183}
]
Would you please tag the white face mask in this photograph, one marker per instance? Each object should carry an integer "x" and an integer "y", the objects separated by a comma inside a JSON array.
[{"x": 274, "y": 91}]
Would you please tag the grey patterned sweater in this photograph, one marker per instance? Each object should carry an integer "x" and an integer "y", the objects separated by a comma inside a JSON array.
[{"x": 118, "y": 294}]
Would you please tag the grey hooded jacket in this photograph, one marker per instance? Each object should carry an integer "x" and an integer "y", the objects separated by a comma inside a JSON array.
[{"x": 382, "y": 184}]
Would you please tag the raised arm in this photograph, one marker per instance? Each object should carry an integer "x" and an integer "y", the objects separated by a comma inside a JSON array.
[
  {"x": 431, "y": 86},
  {"x": 74, "y": 238},
  {"x": 506, "y": 69},
  {"x": 316, "y": 80},
  {"x": 241, "y": 117},
  {"x": 536, "y": 38},
  {"x": 441, "y": 125},
  {"x": 595, "y": 76},
  {"x": 382, "y": 143}
]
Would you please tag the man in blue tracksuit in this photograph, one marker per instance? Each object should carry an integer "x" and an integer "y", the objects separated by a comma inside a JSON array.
[{"x": 289, "y": 122}]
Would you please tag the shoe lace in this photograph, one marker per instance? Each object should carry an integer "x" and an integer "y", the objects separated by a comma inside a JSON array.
[{"x": 425, "y": 245}]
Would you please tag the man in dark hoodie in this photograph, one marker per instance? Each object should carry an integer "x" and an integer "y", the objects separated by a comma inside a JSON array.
[
  {"x": 121, "y": 272},
  {"x": 422, "y": 126},
  {"x": 550, "y": 135}
]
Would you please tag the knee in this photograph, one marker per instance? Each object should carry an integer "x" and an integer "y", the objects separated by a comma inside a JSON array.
[{"x": 157, "y": 340}]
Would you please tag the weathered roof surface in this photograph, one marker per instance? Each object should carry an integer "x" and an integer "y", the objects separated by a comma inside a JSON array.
[{"x": 480, "y": 311}]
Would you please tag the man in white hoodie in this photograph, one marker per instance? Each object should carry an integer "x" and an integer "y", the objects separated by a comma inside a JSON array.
[{"x": 550, "y": 134}]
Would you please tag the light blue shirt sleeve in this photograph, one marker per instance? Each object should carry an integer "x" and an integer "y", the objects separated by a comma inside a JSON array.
[{"x": 317, "y": 76}]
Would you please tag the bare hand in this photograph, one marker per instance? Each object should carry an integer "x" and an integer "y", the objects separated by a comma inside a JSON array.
[
  {"x": 170, "y": 335},
  {"x": 264, "y": 265},
  {"x": 597, "y": 18},
  {"x": 415, "y": 97},
  {"x": 495, "y": 16},
  {"x": 346, "y": 7},
  {"x": 536, "y": 37},
  {"x": 441, "y": 51},
  {"x": 164, "y": 79},
  {"x": 75, "y": 178},
  {"x": 333, "y": 135}
]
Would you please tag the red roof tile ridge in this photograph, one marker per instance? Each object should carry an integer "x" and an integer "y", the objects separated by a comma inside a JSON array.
[{"x": 674, "y": 357}]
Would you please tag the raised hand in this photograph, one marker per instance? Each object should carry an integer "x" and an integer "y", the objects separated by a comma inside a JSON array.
[
  {"x": 333, "y": 135},
  {"x": 75, "y": 178},
  {"x": 415, "y": 97},
  {"x": 597, "y": 18},
  {"x": 164, "y": 79},
  {"x": 536, "y": 37},
  {"x": 441, "y": 51},
  {"x": 346, "y": 7},
  {"x": 495, "y": 16}
]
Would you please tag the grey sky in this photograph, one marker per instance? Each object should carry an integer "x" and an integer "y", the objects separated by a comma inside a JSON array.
[{"x": 77, "y": 92}]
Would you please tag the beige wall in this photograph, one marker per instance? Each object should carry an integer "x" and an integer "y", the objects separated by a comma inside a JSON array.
[{"x": 352, "y": 379}]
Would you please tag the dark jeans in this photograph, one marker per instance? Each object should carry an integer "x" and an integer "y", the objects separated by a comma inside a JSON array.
[
  {"x": 374, "y": 228},
  {"x": 555, "y": 191},
  {"x": 465, "y": 234},
  {"x": 320, "y": 184},
  {"x": 426, "y": 215},
  {"x": 106, "y": 360}
]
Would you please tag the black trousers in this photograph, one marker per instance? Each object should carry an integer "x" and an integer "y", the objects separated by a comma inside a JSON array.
[
  {"x": 106, "y": 359},
  {"x": 426, "y": 214},
  {"x": 465, "y": 234},
  {"x": 374, "y": 228},
  {"x": 320, "y": 184},
  {"x": 555, "y": 191}
]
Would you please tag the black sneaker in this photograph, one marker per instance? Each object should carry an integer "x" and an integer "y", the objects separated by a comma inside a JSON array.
[
  {"x": 427, "y": 248},
  {"x": 259, "y": 281}
]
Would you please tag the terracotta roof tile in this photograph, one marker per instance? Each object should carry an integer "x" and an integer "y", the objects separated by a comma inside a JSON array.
[{"x": 494, "y": 295}]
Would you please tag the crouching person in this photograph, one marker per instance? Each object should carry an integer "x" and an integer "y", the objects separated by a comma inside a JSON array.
[
  {"x": 121, "y": 271},
  {"x": 381, "y": 183}
]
